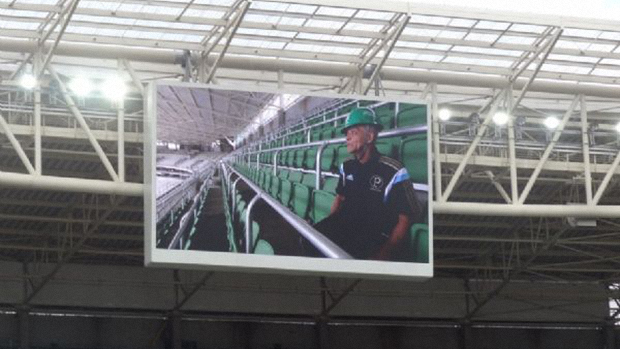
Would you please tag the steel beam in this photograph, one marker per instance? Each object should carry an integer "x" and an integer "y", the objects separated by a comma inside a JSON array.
[
  {"x": 50, "y": 53},
  {"x": 17, "y": 146},
  {"x": 487, "y": 209},
  {"x": 436, "y": 147},
  {"x": 393, "y": 38},
  {"x": 80, "y": 185},
  {"x": 585, "y": 141},
  {"x": 235, "y": 25}
]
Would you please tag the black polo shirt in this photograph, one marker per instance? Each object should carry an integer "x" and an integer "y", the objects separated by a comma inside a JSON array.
[{"x": 375, "y": 193}]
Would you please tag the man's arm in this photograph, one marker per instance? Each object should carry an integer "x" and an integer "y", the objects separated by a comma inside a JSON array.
[
  {"x": 396, "y": 238},
  {"x": 337, "y": 204}
]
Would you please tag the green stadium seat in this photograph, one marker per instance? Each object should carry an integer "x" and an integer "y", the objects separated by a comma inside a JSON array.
[
  {"x": 299, "y": 157},
  {"x": 413, "y": 152},
  {"x": 419, "y": 242},
  {"x": 385, "y": 147},
  {"x": 274, "y": 189},
  {"x": 411, "y": 115},
  {"x": 282, "y": 157},
  {"x": 330, "y": 184},
  {"x": 295, "y": 176},
  {"x": 341, "y": 155},
  {"x": 321, "y": 205},
  {"x": 310, "y": 160},
  {"x": 385, "y": 115},
  {"x": 315, "y": 134},
  {"x": 301, "y": 199},
  {"x": 328, "y": 133},
  {"x": 286, "y": 191},
  {"x": 308, "y": 179},
  {"x": 327, "y": 158},
  {"x": 283, "y": 174},
  {"x": 263, "y": 247}
]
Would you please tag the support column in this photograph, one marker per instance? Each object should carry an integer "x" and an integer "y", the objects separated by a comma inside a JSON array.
[
  {"x": 176, "y": 329},
  {"x": 585, "y": 141},
  {"x": 436, "y": 148},
  {"x": 466, "y": 336},
  {"x": 24, "y": 327},
  {"x": 121, "y": 133},
  {"x": 322, "y": 333},
  {"x": 37, "y": 117},
  {"x": 609, "y": 334}
]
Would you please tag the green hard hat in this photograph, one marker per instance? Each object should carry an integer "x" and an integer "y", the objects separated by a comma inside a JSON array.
[{"x": 361, "y": 116}]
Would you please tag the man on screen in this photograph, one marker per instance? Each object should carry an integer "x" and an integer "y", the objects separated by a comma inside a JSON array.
[{"x": 375, "y": 203}]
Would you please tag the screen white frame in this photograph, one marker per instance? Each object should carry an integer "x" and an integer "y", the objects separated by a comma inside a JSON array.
[{"x": 231, "y": 261}]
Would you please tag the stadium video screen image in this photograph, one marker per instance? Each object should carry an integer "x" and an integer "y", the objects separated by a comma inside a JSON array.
[{"x": 279, "y": 182}]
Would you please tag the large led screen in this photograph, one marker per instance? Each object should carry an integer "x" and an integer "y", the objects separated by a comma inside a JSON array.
[{"x": 273, "y": 181}]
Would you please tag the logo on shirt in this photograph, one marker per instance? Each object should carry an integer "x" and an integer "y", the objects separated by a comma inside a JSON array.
[
  {"x": 376, "y": 183},
  {"x": 349, "y": 177}
]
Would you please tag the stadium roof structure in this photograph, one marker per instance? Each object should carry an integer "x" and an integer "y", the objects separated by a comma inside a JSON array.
[{"x": 501, "y": 195}]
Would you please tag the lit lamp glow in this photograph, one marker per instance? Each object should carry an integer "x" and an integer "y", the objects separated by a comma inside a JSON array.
[
  {"x": 552, "y": 122},
  {"x": 114, "y": 88},
  {"x": 445, "y": 114},
  {"x": 618, "y": 127},
  {"x": 81, "y": 86},
  {"x": 28, "y": 81},
  {"x": 500, "y": 118}
]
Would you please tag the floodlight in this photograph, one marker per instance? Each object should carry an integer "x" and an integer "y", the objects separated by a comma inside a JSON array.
[
  {"x": 81, "y": 86},
  {"x": 500, "y": 118},
  {"x": 28, "y": 81},
  {"x": 445, "y": 114},
  {"x": 552, "y": 122},
  {"x": 114, "y": 88},
  {"x": 618, "y": 127}
]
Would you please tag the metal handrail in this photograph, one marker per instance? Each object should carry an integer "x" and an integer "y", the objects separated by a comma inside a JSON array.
[
  {"x": 318, "y": 240},
  {"x": 189, "y": 214}
]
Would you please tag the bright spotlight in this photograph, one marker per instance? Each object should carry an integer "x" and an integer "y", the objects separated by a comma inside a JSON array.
[
  {"x": 28, "y": 81},
  {"x": 445, "y": 114},
  {"x": 618, "y": 127},
  {"x": 81, "y": 86},
  {"x": 500, "y": 118},
  {"x": 552, "y": 122},
  {"x": 114, "y": 88}
]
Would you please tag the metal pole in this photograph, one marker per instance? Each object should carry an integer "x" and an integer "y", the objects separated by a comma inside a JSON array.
[
  {"x": 18, "y": 148},
  {"x": 80, "y": 185},
  {"x": 486, "y": 209},
  {"x": 248, "y": 223},
  {"x": 605, "y": 182},
  {"x": 134, "y": 77},
  {"x": 275, "y": 162},
  {"x": 436, "y": 147},
  {"x": 37, "y": 119},
  {"x": 319, "y": 155},
  {"x": 499, "y": 187},
  {"x": 512, "y": 154},
  {"x": 585, "y": 141},
  {"x": 121, "y": 134},
  {"x": 545, "y": 156}
]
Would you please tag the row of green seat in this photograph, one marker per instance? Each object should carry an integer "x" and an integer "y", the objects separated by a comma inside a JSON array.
[
  {"x": 235, "y": 224},
  {"x": 411, "y": 149},
  {"x": 408, "y": 115}
]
